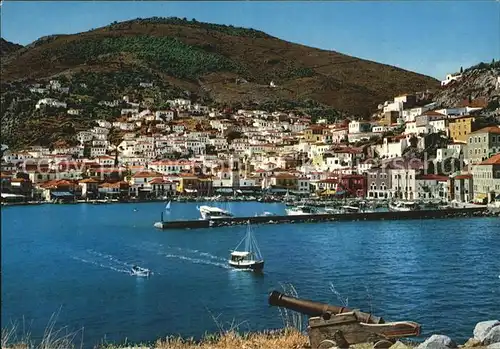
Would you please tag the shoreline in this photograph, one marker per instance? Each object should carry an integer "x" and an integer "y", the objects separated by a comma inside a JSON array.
[{"x": 284, "y": 338}]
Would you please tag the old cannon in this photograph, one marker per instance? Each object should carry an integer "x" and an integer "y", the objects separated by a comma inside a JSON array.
[{"x": 331, "y": 326}]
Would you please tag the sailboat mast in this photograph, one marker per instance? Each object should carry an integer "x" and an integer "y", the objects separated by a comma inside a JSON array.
[{"x": 248, "y": 244}]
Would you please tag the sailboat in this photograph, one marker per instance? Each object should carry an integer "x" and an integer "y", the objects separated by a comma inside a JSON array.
[
  {"x": 249, "y": 257},
  {"x": 167, "y": 206}
]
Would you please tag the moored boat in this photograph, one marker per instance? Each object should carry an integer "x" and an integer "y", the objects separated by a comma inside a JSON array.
[
  {"x": 300, "y": 210},
  {"x": 403, "y": 206},
  {"x": 211, "y": 212}
]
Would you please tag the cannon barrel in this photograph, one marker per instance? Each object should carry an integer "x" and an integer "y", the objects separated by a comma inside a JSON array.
[{"x": 311, "y": 308}]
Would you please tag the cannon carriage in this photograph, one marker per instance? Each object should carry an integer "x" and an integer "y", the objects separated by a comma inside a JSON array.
[{"x": 331, "y": 326}]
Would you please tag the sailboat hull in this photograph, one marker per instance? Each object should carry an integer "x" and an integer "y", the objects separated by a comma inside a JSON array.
[{"x": 256, "y": 266}]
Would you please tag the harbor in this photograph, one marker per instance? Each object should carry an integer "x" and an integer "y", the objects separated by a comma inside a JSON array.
[
  {"x": 316, "y": 218},
  {"x": 92, "y": 246}
]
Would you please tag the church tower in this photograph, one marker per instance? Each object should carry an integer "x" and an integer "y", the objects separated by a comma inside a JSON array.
[{"x": 235, "y": 173}]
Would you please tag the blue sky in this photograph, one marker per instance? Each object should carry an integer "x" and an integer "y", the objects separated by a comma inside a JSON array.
[{"x": 429, "y": 37}]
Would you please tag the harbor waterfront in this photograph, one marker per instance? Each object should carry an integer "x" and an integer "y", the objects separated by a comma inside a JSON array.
[{"x": 75, "y": 260}]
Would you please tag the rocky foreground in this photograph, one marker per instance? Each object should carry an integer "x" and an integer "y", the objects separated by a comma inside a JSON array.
[{"x": 486, "y": 335}]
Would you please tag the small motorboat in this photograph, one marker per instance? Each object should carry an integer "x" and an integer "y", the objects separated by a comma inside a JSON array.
[{"x": 138, "y": 271}]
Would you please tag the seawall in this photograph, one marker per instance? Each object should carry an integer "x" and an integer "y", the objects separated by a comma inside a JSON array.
[{"x": 316, "y": 218}]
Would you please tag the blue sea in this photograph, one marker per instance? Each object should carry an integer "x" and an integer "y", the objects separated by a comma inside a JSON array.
[{"x": 74, "y": 261}]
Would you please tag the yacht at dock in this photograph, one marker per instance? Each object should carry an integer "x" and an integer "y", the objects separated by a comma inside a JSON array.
[{"x": 212, "y": 212}]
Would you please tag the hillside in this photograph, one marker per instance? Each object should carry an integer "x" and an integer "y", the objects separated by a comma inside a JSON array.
[
  {"x": 207, "y": 59},
  {"x": 7, "y": 47},
  {"x": 477, "y": 87}
]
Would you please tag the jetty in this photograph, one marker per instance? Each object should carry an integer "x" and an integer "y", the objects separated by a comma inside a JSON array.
[{"x": 316, "y": 218}]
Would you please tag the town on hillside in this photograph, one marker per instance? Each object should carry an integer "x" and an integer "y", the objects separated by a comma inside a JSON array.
[{"x": 408, "y": 151}]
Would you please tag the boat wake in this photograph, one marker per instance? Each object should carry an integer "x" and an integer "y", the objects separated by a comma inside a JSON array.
[
  {"x": 102, "y": 265},
  {"x": 202, "y": 254},
  {"x": 198, "y": 260},
  {"x": 106, "y": 261},
  {"x": 186, "y": 254}
]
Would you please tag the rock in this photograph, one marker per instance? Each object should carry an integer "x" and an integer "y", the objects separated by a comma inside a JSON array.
[
  {"x": 493, "y": 346},
  {"x": 472, "y": 342},
  {"x": 399, "y": 345},
  {"x": 482, "y": 328},
  {"x": 438, "y": 341},
  {"x": 493, "y": 336}
]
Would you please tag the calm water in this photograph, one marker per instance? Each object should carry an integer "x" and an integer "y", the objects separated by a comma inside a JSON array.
[{"x": 74, "y": 260}]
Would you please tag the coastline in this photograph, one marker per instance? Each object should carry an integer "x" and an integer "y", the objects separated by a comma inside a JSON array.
[{"x": 285, "y": 338}]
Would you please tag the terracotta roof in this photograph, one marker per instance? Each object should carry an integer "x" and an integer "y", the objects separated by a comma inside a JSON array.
[
  {"x": 56, "y": 184},
  {"x": 464, "y": 176},
  {"x": 188, "y": 175},
  {"x": 432, "y": 177},
  {"x": 114, "y": 185},
  {"x": 88, "y": 180},
  {"x": 147, "y": 174},
  {"x": 490, "y": 129},
  {"x": 494, "y": 160},
  {"x": 159, "y": 181}
]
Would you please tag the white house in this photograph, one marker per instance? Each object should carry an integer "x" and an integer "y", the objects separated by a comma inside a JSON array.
[
  {"x": 51, "y": 102},
  {"x": 97, "y": 151},
  {"x": 105, "y": 160},
  {"x": 450, "y": 78},
  {"x": 410, "y": 114},
  {"x": 164, "y": 115},
  {"x": 131, "y": 111},
  {"x": 110, "y": 104},
  {"x": 100, "y": 143},
  {"x": 98, "y": 130},
  {"x": 178, "y": 128},
  {"x": 411, "y": 128},
  {"x": 104, "y": 123},
  {"x": 391, "y": 148},
  {"x": 359, "y": 126},
  {"x": 73, "y": 111},
  {"x": 167, "y": 167},
  {"x": 182, "y": 102},
  {"x": 85, "y": 136},
  {"x": 439, "y": 125},
  {"x": 38, "y": 90}
]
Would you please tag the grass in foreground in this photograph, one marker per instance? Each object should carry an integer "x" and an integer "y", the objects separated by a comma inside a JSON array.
[{"x": 288, "y": 338}]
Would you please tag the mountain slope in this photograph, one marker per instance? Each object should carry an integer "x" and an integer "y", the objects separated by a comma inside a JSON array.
[
  {"x": 208, "y": 59},
  {"x": 477, "y": 87},
  {"x": 7, "y": 47}
]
